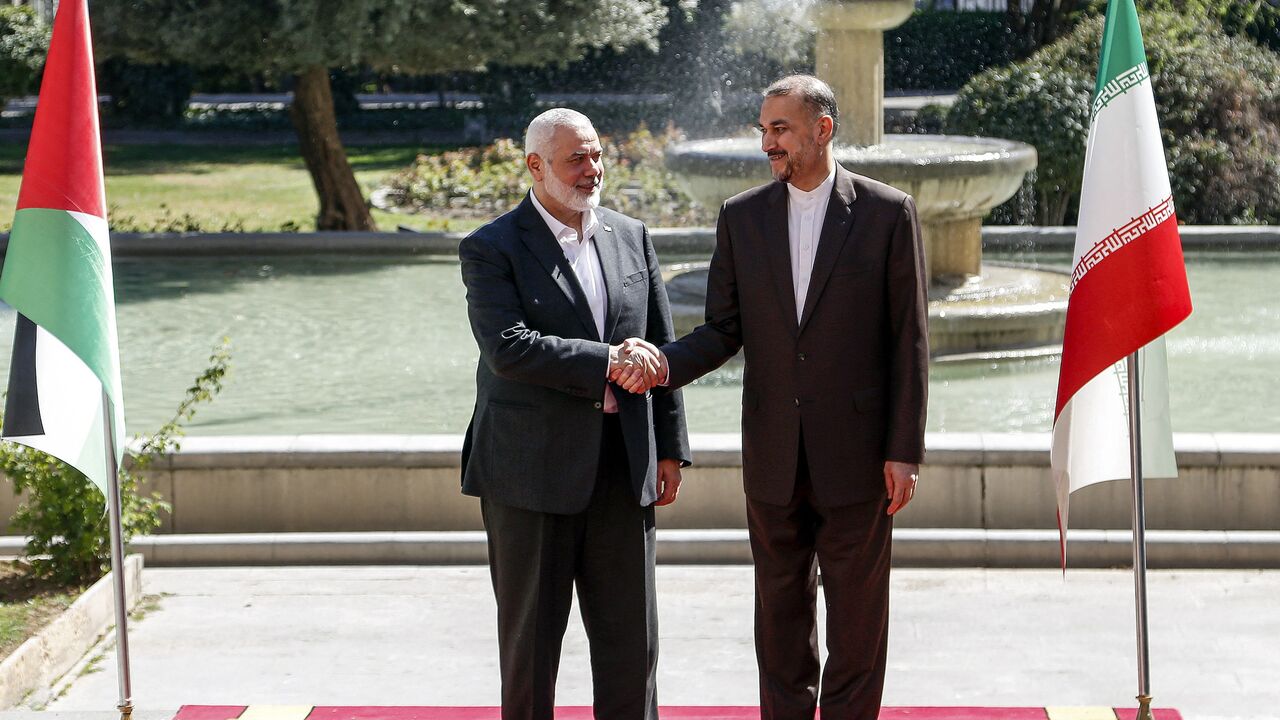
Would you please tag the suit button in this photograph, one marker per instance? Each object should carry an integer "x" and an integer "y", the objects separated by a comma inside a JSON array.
[
  {"x": 800, "y": 356},
  {"x": 599, "y": 405}
]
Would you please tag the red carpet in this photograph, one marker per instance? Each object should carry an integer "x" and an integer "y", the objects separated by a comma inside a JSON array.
[{"x": 275, "y": 712}]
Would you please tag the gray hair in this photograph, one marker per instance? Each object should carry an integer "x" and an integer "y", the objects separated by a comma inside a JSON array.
[
  {"x": 537, "y": 139},
  {"x": 817, "y": 95}
]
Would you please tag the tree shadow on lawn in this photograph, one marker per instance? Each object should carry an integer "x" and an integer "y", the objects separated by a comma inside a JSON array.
[{"x": 204, "y": 159}]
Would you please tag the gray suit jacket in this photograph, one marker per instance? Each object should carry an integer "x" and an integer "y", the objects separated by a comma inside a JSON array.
[
  {"x": 535, "y": 435},
  {"x": 853, "y": 374}
]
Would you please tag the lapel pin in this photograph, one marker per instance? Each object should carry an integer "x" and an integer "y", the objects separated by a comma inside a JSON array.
[{"x": 608, "y": 229}]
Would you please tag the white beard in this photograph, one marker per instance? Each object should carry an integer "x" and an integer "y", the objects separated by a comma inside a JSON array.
[{"x": 569, "y": 196}]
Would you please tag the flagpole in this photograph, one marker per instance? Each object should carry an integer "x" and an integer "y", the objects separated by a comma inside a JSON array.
[
  {"x": 1139, "y": 539},
  {"x": 117, "y": 560}
]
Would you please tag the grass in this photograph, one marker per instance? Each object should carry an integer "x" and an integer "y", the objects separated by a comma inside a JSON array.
[
  {"x": 26, "y": 606},
  {"x": 251, "y": 188}
]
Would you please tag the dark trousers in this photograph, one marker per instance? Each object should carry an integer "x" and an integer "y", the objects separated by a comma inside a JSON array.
[
  {"x": 607, "y": 551},
  {"x": 851, "y": 545}
]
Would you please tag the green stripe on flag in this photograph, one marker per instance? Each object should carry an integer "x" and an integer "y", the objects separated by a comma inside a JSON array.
[
  {"x": 55, "y": 273},
  {"x": 1121, "y": 43}
]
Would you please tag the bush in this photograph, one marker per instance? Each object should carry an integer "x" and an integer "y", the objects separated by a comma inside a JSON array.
[
  {"x": 1045, "y": 106},
  {"x": 23, "y": 44},
  {"x": 68, "y": 539},
  {"x": 1264, "y": 26},
  {"x": 935, "y": 50},
  {"x": 1218, "y": 99},
  {"x": 147, "y": 94},
  {"x": 485, "y": 182}
]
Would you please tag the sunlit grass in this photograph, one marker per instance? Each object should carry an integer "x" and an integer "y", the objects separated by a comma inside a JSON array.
[{"x": 248, "y": 187}]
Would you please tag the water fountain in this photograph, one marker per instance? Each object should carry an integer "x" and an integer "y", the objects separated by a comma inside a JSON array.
[{"x": 976, "y": 309}]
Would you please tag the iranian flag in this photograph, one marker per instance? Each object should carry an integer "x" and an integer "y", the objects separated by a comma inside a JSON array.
[
  {"x": 57, "y": 271},
  {"x": 1128, "y": 282}
]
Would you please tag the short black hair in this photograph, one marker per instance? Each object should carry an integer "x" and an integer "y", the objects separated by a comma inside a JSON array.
[{"x": 816, "y": 94}]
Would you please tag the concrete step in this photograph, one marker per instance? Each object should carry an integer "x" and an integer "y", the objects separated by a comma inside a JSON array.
[{"x": 913, "y": 547}]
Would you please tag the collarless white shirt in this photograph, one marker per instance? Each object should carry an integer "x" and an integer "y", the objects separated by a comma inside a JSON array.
[
  {"x": 806, "y": 211},
  {"x": 580, "y": 251}
]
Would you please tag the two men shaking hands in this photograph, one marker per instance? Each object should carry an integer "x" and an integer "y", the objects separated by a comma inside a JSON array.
[
  {"x": 637, "y": 365},
  {"x": 818, "y": 280}
]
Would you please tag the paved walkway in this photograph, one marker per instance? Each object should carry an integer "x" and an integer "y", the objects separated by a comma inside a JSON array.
[{"x": 425, "y": 636}]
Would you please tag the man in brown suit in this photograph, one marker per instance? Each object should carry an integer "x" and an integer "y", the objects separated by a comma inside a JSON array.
[{"x": 819, "y": 277}]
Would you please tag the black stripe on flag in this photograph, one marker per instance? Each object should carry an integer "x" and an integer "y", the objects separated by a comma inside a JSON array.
[{"x": 22, "y": 406}]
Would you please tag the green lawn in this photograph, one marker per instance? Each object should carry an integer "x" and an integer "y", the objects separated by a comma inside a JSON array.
[
  {"x": 254, "y": 188},
  {"x": 26, "y": 605}
]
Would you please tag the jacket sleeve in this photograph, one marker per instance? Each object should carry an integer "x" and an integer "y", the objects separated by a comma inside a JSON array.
[
  {"x": 508, "y": 346},
  {"x": 908, "y": 339},
  {"x": 719, "y": 337},
  {"x": 669, "y": 428}
]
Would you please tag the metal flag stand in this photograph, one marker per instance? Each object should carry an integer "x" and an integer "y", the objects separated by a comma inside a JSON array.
[
  {"x": 125, "y": 705},
  {"x": 1139, "y": 539}
]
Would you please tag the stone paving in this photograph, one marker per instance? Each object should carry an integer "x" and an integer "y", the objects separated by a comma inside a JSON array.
[{"x": 425, "y": 636}]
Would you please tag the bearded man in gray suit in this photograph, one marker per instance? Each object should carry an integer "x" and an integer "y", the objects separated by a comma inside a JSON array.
[{"x": 568, "y": 468}]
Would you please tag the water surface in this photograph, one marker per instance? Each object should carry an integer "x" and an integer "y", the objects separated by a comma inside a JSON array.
[{"x": 381, "y": 345}]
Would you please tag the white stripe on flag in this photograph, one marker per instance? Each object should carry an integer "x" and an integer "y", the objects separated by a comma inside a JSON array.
[
  {"x": 1096, "y": 449},
  {"x": 70, "y": 397}
]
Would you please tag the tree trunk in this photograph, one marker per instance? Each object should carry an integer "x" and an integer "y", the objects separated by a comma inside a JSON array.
[{"x": 342, "y": 205}]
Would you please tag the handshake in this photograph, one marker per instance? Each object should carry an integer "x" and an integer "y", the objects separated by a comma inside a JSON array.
[{"x": 636, "y": 365}]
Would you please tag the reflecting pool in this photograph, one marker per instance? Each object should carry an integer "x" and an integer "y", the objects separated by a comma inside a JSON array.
[{"x": 343, "y": 344}]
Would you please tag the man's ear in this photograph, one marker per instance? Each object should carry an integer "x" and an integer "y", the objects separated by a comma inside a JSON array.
[
  {"x": 826, "y": 129},
  {"x": 533, "y": 161}
]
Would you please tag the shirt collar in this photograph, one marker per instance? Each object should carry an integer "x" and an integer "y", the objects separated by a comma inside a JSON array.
[
  {"x": 809, "y": 197},
  {"x": 563, "y": 233}
]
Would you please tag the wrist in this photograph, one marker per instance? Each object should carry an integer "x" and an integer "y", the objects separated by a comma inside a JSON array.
[{"x": 615, "y": 359}]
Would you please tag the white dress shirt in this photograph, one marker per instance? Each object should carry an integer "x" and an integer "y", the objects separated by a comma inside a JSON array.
[
  {"x": 805, "y": 213},
  {"x": 580, "y": 251}
]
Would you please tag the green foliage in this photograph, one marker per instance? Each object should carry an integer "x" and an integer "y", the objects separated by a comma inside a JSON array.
[
  {"x": 68, "y": 539},
  {"x": 1218, "y": 100},
  {"x": 1264, "y": 26},
  {"x": 146, "y": 93},
  {"x": 415, "y": 36},
  {"x": 942, "y": 49},
  {"x": 168, "y": 222},
  {"x": 1038, "y": 104},
  {"x": 484, "y": 182},
  {"x": 23, "y": 45}
]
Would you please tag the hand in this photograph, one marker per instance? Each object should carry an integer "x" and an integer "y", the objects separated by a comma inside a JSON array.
[
  {"x": 640, "y": 367},
  {"x": 668, "y": 481},
  {"x": 900, "y": 483}
]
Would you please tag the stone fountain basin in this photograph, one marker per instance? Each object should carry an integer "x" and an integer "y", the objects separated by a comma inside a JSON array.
[
  {"x": 1006, "y": 312},
  {"x": 950, "y": 176}
]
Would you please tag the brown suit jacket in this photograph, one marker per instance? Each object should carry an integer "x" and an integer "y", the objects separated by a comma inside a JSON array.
[{"x": 853, "y": 374}]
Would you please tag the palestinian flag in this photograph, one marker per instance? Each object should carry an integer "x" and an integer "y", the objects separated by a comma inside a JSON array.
[
  {"x": 57, "y": 271},
  {"x": 1128, "y": 283}
]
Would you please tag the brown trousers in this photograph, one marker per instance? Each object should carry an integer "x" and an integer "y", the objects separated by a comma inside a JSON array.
[{"x": 851, "y": 545}]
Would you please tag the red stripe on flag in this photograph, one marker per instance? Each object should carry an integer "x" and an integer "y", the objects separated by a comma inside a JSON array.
[
  {"x": 1133, "y": 297},
  {"x": 64, "y": 159}
]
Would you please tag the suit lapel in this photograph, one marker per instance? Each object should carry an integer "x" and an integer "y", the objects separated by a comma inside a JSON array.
[
  {"x": 538, "y": 238},
  {"x": 778, "y": 250},
  {"x": 835, "y": 230},
  {"x": 606, "y": 240}
]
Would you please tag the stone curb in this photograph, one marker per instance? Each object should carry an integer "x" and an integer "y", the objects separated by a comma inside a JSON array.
[
  {"x": 913, "y": 547},
  {"x": 710, "y": 450},
  {"x": 50, "y": 653}
]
